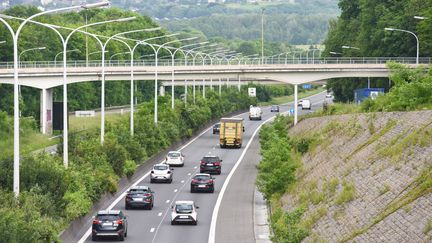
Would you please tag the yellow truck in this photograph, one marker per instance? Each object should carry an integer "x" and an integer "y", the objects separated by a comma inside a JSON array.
[{"x": 231, "y": 132}]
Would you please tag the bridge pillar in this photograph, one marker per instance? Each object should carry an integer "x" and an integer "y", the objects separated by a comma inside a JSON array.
[
  {"x": 193, "y": 90},
  {"x": 185, "y": 91},
  {"x": 204, "y": 87},
  {"x": 295, "y": 104},
  {"x": 162, "y": 90},
  {"x": 46, "y": 107},
  {"x": 220, "y": 86},
  {"x": 239, "y": 84},
  {"x": 211, "y": 83}
]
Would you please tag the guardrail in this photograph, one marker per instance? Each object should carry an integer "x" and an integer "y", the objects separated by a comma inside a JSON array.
[{"x": 235, "y": 61}]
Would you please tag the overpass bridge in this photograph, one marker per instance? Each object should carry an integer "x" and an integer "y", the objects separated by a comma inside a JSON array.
[{"x": 47, "y": 75}]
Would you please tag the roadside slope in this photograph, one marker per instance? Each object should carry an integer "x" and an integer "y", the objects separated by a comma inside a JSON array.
[{"x": 365, "y": 177}]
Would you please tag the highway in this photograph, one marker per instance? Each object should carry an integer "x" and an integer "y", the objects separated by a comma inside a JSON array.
[{"x": 235, "y": 216}]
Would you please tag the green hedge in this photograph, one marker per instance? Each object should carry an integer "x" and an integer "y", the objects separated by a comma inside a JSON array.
[{"x": 52, "y": 196}]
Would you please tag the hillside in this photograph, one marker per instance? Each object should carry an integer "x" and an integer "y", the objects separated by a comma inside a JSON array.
[{"x": 365, "y": 178}]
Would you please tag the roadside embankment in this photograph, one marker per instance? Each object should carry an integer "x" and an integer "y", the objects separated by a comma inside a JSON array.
[{"x": 362, "y": 178}]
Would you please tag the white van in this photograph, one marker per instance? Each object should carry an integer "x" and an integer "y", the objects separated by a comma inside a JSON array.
[
  {"x": 255, "y": 113},
  {"x": 306, "y": 104}
]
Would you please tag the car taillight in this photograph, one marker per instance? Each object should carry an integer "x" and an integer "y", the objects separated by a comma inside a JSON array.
[
  {"x": 216, "y": 163},
  {"x": 119, "y": 221},
  {"x": 194, "y": 181},
  {"x": 203, "y": 163},
  {"x": 95, "y": 221},
  {"x": 147, "y": 195}
]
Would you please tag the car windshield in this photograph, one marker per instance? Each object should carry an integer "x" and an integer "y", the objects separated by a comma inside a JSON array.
[
  {"x": 108, "y": 217},
  {"x": 201, "y": 177},
  {"x": 184, "y": 208},
  {"x": 138, "y": 191},
  {"x": 174, "y": 155},
  {"x": 210, "y": 159},
  {"x": 217, "y": 125},
  {"x": 161, "y": 167}
]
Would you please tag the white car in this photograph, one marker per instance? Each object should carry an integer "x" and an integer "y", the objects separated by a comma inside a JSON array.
[
  {"x": 174, "y": 158},
  {"x": 161, "y": 172},
  {"x": 328, "y": 95},
  {"x": 184, "y": 212},
  {"x": 306, "y": 105}
]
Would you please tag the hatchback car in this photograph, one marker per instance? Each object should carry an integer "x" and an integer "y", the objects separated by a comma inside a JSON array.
[
  {"x": 202, "y": 182},
  {"x": 109, "y": 223},
  {"x": 184, "y": 212},
  {"x": 175, "y": 158},
  {"x": 299, "y": 103},
  {"x": 161, "y": 172},
  {"x": 211, "y": 164},
  {"x": 139, "y": 196},
  {"x": 216, "y": 128},
  {"x": 274, "y": 108}
]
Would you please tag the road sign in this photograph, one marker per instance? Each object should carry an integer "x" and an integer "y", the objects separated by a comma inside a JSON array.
[
  {"x": 291, "y": 111},
  {"x": 307, "y": 86},
  {"x": 252, "y": 92}
]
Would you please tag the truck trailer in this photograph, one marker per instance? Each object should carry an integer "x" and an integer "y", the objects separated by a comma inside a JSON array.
[{"x": 231, "y": 132}]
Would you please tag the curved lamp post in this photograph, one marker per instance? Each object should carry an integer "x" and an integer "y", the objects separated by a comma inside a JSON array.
[
  {"x": 55, "y": 58},
  {"x": 412, "y": 33}
]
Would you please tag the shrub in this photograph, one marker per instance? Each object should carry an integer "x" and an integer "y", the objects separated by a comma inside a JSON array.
[{"x": 129, "y": 168}]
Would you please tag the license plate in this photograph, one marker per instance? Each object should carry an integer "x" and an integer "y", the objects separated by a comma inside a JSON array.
[
  {"x": 107, "y": 224},
  {"x": 138, "y": 199},
  {"x": 160, "y": 177},
  {"x": 209, "y": 164},
  {"x": 184, "y": 217},
  {"x": 201, "y": 185}
]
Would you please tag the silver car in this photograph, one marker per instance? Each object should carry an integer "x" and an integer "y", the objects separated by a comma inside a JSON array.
[{"x": 161, "y": 173}]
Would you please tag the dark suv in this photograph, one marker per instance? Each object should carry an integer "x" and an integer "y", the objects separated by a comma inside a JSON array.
[
  {"x": 139, "y": 196},
  {"x": 211, "y": 164},
  {"x": 109, "y": 223},
  {"x": 216, "y": 128},
  {"x": 202, "y": 182}
]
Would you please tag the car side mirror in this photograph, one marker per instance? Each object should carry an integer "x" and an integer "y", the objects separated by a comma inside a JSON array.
[
  {"x": 221, "y": 160},
  {"x": 196, "y": 207}
]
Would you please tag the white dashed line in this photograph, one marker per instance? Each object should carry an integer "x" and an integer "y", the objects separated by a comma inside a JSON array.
[
  {"x": 176, "y": 190},
  {"x": 152, "y": 230},
  {"x": 195, "y": 167},
  {"x": 159, "y": 214},
  {"x": 167, "y": 201},
  {"x": 189, "y": 174},
  {"x": 182, "y": 181}
]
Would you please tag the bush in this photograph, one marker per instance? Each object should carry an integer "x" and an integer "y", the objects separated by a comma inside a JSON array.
[{"x": 129, "y": 168}]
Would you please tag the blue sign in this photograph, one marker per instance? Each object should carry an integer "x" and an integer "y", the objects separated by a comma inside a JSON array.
[
  {"x": 291, "y": 111},
  {"x": 307, "y": 86}
]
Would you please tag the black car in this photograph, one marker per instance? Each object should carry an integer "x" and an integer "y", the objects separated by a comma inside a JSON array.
[
  {"x": 211, "y": 164},
  {"x": 216, "y": 128},
  {"x": 202, "y": 182},
  {"x": 274, "y": 108},
  {"x": 109, "y": 223},
  {"x": 139, "y": 196}
]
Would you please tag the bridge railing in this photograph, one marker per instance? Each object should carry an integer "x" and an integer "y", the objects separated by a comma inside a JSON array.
[{"x": 235, "y": 61}]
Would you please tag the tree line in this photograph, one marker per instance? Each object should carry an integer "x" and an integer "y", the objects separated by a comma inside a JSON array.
[{"x": 361, "y": 24}]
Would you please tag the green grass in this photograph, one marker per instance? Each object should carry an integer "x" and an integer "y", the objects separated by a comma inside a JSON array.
[
  {"x": 347, "y": 194},
  {"x": 428, "y": 227},
  {"x": 29, "y": 142},
  {"x": 84, "y": 123},
  {"x": 289, "y": 98}
]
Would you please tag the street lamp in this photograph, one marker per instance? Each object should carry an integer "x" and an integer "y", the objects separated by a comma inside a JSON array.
[
  {"x": 350, "y": 47},
  {"x": 15, "y": 37},
  {"x": 116, "y": 54},
  {"x": 31, "y": 49},
  {"x": 262, "y": 34},
  {"x": 55, "y": 58},
  {"x": 420, "y": 17},
  {"x": 335, "y": 53},
  {"x": 412, "y": 33},
  {"x": 2, "y": 42}
]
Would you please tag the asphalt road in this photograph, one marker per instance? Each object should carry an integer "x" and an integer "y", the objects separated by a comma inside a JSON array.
[{"x": 235, "y": 219}]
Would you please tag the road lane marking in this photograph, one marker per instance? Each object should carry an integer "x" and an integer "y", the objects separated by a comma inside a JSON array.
[
  {"x": 167, "y": 201},
  {"x": 189, "y": 174},
  {"x": 212, "y": 232},
  {"x": 160, "y": 214},
  {"x": 195, "y": 167},
  {"x": 152, "y": 230},
  {"x": 182, "y": 181},
  {"x": 176, "y": 190}
]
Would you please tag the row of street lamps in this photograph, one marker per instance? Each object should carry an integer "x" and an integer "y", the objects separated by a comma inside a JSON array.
[{"x": 117, "y": 37}]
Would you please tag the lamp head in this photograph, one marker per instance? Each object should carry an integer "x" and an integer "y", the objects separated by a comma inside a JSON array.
[
  {"x": 95, "y": 5},
  {"x": 125, "y": 19},
  {"x": 389, "y": 29},
  {"x": 42, "y": 48}
]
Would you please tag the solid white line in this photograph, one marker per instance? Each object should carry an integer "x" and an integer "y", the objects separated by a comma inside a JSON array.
[
  {"x": 152, "y": 230},
  {"x": 160, "y": 214},
  {"x": 167, "y": 201},
  {"x": 212, "y": 232},
  {"x": 88, "y": 232}
]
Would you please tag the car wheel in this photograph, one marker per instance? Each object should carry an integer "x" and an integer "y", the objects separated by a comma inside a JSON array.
[
  {"x": 127, "y": 207},
  {"x": 219, "y": 172},
  {"x": 121, "y": 237},
  {"x": 125, "y": 234},
  {"x": 173, "y": 222},
  {"x": 170, "y": 181},
  {"x": 192, "y": 190},
  {"x": 212, "y": 190},
  {"x": 195, "y": 222},
  {"x": 151, "y": 181},
  {"x": 94, "y": 238}
]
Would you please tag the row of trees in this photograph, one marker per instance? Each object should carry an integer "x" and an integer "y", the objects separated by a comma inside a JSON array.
[
  {"x": 52, "y": 196},
  {"x": 361, "y": 24}
]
